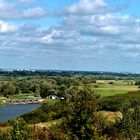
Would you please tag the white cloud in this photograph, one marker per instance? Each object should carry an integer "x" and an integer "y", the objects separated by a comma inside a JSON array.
[
  {"x": 83, "y": 33},
  {"x": 47, "y": 39},
  {"x": 10, "y": 10},
  {"x": 86, "y": 7},
  {"x": 6, "y": 27},
  {"x": 33, "y": 13},
  {"x": 89, "y": 7}
]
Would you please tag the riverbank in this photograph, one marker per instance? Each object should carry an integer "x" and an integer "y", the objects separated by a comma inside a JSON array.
[
  {"x": 35, "y": 100},
  {"x": 44, "y": 101},
  {"x": 1, "y": 103}
]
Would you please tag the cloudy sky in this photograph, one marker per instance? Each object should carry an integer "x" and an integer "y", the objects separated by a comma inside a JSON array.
[{"x": 70, "y": 34}]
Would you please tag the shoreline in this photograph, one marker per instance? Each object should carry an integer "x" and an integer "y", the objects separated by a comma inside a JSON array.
[
  {"x": 22, "y": 103},
  {"x": 25, "y": 103}
]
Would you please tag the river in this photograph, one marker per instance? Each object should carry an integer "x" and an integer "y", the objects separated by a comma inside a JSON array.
[{"x": 11, "y": 111}]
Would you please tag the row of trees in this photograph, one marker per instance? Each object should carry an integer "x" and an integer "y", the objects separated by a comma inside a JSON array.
[
  {"x": 41, "y": 84},
  {"x": 44, "y": 85}
]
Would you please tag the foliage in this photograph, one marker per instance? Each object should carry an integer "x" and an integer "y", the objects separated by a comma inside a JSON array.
[
  {"x": 8, "y": 89},
  {"x": 46, "y": 89},
  {"x": 129, "y": 125},
  {"x": 5, "y": 135},
  {"x": 81, "y": 120},
  {"x": 111, "y": 83},
  {"x": 137, "y": 83},
  {"x": 37, "y": 116},
  {"x": 20, "y": 130},
  {"x": 44, "y": 114},
  {"x": 114, "y": 103}
]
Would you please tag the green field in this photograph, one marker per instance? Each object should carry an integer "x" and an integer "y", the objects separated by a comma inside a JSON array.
[{"x": 104, "y": 88}]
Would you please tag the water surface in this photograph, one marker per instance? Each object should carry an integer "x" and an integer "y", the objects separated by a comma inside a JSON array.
[{"x": 11, "y": 111}]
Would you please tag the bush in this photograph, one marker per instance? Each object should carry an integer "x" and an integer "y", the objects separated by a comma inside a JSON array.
[
  {"x": 114, "y": 103},
  {"x": 4, "y": 124},
  {"x": 5, "y": 135},
  {"x": 36, "y": 116},
  {"x": 20, "y": 130},
  {"x": 137, "y": 83},
  {"x": 129, "y": 126},
  {"x": 111, "y": 83},
  {"x": 96, "y": 86}
]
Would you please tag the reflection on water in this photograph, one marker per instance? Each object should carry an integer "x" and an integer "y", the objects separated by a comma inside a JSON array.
[{"x": 11, "y": 111}]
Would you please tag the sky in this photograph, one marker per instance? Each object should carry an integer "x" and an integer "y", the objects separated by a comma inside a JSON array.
[{"x": 88, "y": 35}]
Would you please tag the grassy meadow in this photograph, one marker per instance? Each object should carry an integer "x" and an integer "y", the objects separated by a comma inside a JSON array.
[{"x": 112, "y": 87}]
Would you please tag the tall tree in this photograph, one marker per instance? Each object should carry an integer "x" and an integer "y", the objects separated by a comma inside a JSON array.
[
  {"x": 81, "y": 120},
  {"x": 46, "y": 89}
]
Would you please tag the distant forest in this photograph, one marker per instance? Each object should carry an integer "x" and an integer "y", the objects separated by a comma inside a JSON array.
[{"x": 100, "y": 74}]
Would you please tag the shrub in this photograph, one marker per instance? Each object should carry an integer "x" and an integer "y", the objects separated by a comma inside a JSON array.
[
  {"x": 129, "y": 126},
  {"x": 114, "y": 103},
  {"x": 137, "y": 83},
  {"x": 20, "y": 130},
  {"x": 111, "y": 83},
  {"x": 5, "y": 135}
]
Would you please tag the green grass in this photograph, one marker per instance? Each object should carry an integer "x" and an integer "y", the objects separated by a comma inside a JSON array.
[
  {"x": 118, "y": 87},
  {"x": 109, "y": 92},
  {"x": 50, "y": 101},
  {"x": 1, "y": 100},
  {"x": 1, "y": 103}
]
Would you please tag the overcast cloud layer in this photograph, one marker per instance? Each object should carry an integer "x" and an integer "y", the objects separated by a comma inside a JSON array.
[{"x": 92, "y": 35}]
